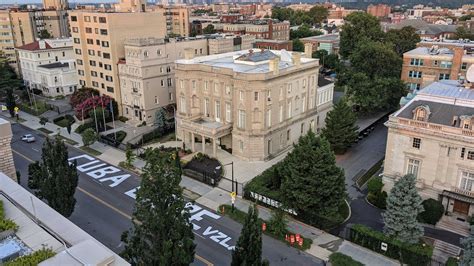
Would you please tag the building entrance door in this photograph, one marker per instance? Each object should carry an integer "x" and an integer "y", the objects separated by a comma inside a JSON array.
[{"x": 461, "y": 207}]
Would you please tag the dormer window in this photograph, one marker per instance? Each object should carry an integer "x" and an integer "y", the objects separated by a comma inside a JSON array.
[
  {"x": 466, "y": 122},
  {"x": 421, "y": 113}
]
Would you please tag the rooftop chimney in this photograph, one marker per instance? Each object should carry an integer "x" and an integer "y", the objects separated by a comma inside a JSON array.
[
  {"x": 273, "y": 65},
  {"x": 42, "y": 44},
  {"x": 296, "y": 58},
  {"x": 308, "y": 50},
  {"x": 188, "y": 53}
]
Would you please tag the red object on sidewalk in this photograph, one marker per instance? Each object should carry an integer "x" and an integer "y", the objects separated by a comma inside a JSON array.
[
  {"x": 300, "y": 242},
  {"x": 264, "y": 227},
  {"x": 297, "y": 237},
  {"x": 286, "y": 238},
  {"x": 292, "y": 239}
]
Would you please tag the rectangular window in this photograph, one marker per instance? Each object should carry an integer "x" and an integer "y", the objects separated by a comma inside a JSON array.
[
  {"x": 90, "y": 41},
  {"x": 108, "y": 78},
  {"x": 241, "y": 95},
  {"x": 92, "y": 63},
  {"x": 88, "y": 30},
  {"x": 443, "y": 76},
  {"x": 255, "y": 96},
  {"x": 416, "y": 62},
  {"x": 87, "y": 18},
  {"x": 206, "y": 107},
  {"x": 281, "y": 113},
  {"x": 91, "y": 52},
  {"x": 107, "y": 67},
  {"x": 75, "y": 29},
  {"x": 463, "y": 151},
  {"x": 105, "y": 44},
  {"x": 242, "y": 118},
  {"x": 206, "y": 84},
  {"x": 110, "y": 89},
  {"x": 467, "y": 181},
  {"x": 228, "y": 113},
  {"x": 269, "y": 118},
  {"x": 79, "y": 62},
  {"x": 95, "y": 84},
  {"x": 413, "y": 167},
  {"x": 413, "y": 86},
  {"x": 102, "y": 20},
  {"x": 470, "y": 155},
  {"x": 446, "y": 64},
  {"x": 218, "y": 110},
  {"x": 106, "y": 55},
  {"x": 416, "y": 143},
  {"x": 77, "y": 40},
  {"x": 103, "y": 32},
  {"x": 78, "y": 51},
  {"x": 73, "y": 18},
  {"x": 182, "y": 104},
  {"x": 464, "y": 66},
  {"x": 415, "y": 74},
  {"x": 94, "y": 73},
  {"x": 289, "y": 109},
  {"x": 288, "y": 133}
]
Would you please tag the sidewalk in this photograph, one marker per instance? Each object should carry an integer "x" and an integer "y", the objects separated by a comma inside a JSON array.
[{"x": 324, "y": 244}]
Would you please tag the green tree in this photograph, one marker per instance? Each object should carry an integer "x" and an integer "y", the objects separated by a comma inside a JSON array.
[
  {"x": 468, "y": 246},
  {"x": 161, "y": 120},
  {"x": 404, "y": 39},
  {"x": 10, "y": 102},
  {"x": 403, "y": 207},
  {"x": 312, "y": 184},
  {"x": 463, "y": 33},
  {"x": 89, "y": 136},
  {"x": 298, "y": 45},
  {"x": 54, "y": 178},
  {"x": 209, "y": 29},
  {"x": 248, "y": 250},
  {"x": 341, "y": 128},
  {"x": 304, "y": 31},
  {"x": 319, "y": 14},
  {"x": 162, "y": 233},
  {"x": 330, "y": 61},
  {"x": 9, "y": 79},
  {"x": 44, "y": 34},
  {"x": 278, "y": 223},
  {"x": 376, "y": 59},
  {"x": 358, "y": 27},
  {"x": 129, "y": 156}
]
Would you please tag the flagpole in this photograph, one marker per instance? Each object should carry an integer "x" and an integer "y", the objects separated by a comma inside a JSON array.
[
  {"x": 103, "y": 112},
  {"x": 95, "y": 115},
  {"x": 113, "y": 118}
]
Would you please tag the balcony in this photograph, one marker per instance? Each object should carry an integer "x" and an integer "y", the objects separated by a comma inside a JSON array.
[
  {"x": 206, "y": 127},
  {"x": 463, "y": 192},
  {"x": 432, "y": 127}
]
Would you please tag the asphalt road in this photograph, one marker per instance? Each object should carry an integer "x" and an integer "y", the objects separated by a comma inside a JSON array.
[{"x": 105, "y": 204}]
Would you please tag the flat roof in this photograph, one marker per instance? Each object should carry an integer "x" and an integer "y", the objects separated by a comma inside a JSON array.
[
  {"x": 54, "y": 65},
  {"x": 228, "y": 60},
  {"x": 428, "y": 51},
  {"x": 448, "y": 89},
  {"x": 326, "y": 37}
]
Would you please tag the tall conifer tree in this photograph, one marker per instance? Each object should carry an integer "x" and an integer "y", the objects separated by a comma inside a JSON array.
[
  {"x": 248, "y": 250},
  {"x": 161, "y": 233},
  {"x": 341, "y": 128}
]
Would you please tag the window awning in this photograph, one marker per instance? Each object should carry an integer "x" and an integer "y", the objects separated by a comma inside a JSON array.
[{"x": 458, "y": 196}]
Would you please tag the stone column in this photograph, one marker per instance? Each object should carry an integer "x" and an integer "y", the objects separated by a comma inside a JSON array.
[
  {"x": 192, "y": 142},
  {"x": 6, "y": 159},
  {"x": 203, "y": 144},
  {"x": 214, "y": 147}
]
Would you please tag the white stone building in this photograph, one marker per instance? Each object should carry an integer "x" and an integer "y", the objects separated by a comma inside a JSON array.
[
  {"x": 49, "y": 66},
  {"x": 432, "y": 137}
]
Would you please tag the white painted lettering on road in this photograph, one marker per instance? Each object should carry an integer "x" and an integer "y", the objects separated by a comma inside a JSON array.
[
  {"x": 115, "y": 179},
  {"x": 132, "y": 193},
  {"x": 99, "y": 173},
  {"x": 83, "y": 167}
]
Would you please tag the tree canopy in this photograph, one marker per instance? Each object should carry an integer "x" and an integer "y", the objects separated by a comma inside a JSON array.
[
  {"x": 316, "y": 15},
  {"x": 209, "y": 29},
  {"x": 298, "y": 45},
  {"x": 161, "y": 233},
  {"x": 248, "y": 250},
  {"x": 8, "y": 76},
  {"x": 403, "y": 40},
  {"x": 54, "y": 178},
  {"x": 312, "y": 184},
  {"x": 404, "y": 204},
  {"x": 341, "y": 129},
  {"x": 304, "y": 31}
]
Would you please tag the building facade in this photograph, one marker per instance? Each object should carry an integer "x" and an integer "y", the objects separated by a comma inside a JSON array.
[
  {"x": 56, "y": 4},
  {"x": 380, "y": 10},
  {"x": 147, "y": 79},
  {"x": 436, "y": 60},
  {"x": 7, "y": 43},
  {"x": 98, "y": 43},
  {"x": 177, "y": 20},
  {"x": 328, "y": 42},
  {"x": 49, "y": 66},
  {"x": 254, "y": 104},
  {"x": 432, "y": 138},
  {"x": 223, "y": 43},
  {"x": 274, "y": 44},
  {"x": 267, "y": 29}
]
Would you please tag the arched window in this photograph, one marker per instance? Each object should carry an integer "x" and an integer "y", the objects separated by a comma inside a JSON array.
[{"x": 421, "y": 113}]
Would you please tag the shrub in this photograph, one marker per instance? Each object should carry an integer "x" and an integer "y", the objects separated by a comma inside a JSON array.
[
  {"x": 33, "y": 259},
  {"x": 119, "y": 134},
  {"x": 452, "y": 262},
  {"x": 64, "y": 121},
  {"x": 84, "y": 126},
  {"x": 339, "y": 259},
  {"x": 411, "y": 254},
  {"x": 123, "y": 119},
  {"x": 434, "y": 210},
  {"x": 376, "y": 196},
  {"x": 89, "y": 136},
  {"x": 6, "y": 224}
]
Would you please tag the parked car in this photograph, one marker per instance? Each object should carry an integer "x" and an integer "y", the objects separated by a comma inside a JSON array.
[{"x": 28, "y": 138}]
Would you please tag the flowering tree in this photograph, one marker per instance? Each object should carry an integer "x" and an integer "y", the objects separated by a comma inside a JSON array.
[{"x": 83, "y": 109}]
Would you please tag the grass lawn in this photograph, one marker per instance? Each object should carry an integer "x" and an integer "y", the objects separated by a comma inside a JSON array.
[
  {"x": 37, "y": 109},
  {"x": 91, "y": 151},
  {"x": 240, "y": 216},
  {"x": 45, "y": 130},
  {"x": 69, "y": 141}
]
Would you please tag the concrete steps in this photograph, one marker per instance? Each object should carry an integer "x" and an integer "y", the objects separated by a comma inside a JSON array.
[
  {"x": 442, "y": 251},
  {"x": 451, "y": 224}
]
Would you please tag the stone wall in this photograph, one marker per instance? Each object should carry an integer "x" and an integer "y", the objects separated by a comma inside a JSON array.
[{"x": 6, "y": 160}]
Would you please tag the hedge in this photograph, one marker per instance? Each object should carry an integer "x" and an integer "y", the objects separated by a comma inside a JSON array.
[
  {"x": 6, "y": 224},
  {"x": 84, "y": 126},
  {"x": 452, "y": 262},
  {"x": 339, "y": 259},
  {"x": 33, "y": 259},
  {"x": 434, "y": 210},
  {"x": 411, "y": 254}
]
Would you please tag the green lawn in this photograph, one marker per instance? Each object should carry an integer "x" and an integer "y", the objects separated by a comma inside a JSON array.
[
  {"x": 91, "y": 151},
  {"x": 69, "y": 141},
  {"x": 37, "y": 109},
  {"x": 45, "y": 130}
]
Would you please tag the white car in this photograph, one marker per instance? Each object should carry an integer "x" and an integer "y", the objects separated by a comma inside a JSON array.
[{"x": 28, "y": 138}]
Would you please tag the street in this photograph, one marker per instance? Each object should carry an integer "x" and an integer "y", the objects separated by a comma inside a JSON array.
[{"x": 105, "y": 202}]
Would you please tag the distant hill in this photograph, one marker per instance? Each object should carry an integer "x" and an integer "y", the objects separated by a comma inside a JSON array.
[{"x": 442, "y": 3}]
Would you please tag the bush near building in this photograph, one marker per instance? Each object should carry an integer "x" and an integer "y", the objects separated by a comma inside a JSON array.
[
  {"x": 6, "y": 224},
  {"x": 411, "y": 254},
  {"x": 64, "y": 121},
  {"x": 339, "y": 259},
  {"x": 434, "y": 210},
  {"x": 376, "y": 196},
  {"x": 33, "y": 259}
]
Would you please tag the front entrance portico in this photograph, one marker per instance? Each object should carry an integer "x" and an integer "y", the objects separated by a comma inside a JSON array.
[{"x": 205, "y": 130}]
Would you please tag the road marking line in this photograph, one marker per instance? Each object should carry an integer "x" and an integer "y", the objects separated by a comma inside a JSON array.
[
  {"x": 36, "y": 150},
  {"x": 115, "y": 209}
]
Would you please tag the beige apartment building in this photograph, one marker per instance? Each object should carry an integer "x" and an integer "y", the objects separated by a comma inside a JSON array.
[
  {"x": 56, "y": 4},
  {"x": 436, "y": 60},
  {"x": 7, "y": 43},
  {"x": 254, "y": 104},
  {"x": 146, "y": 75},
  {"x": 99, "y": 39},
  {"x": 177, "y": 20},
  {"x": 432, "y": 137},
  {"x": 223, "y": 43}
]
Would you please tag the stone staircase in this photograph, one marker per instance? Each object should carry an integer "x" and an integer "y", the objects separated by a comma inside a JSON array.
[
  {"x": 442, "y": 251},
  {"x": 450, "y": 223}
]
